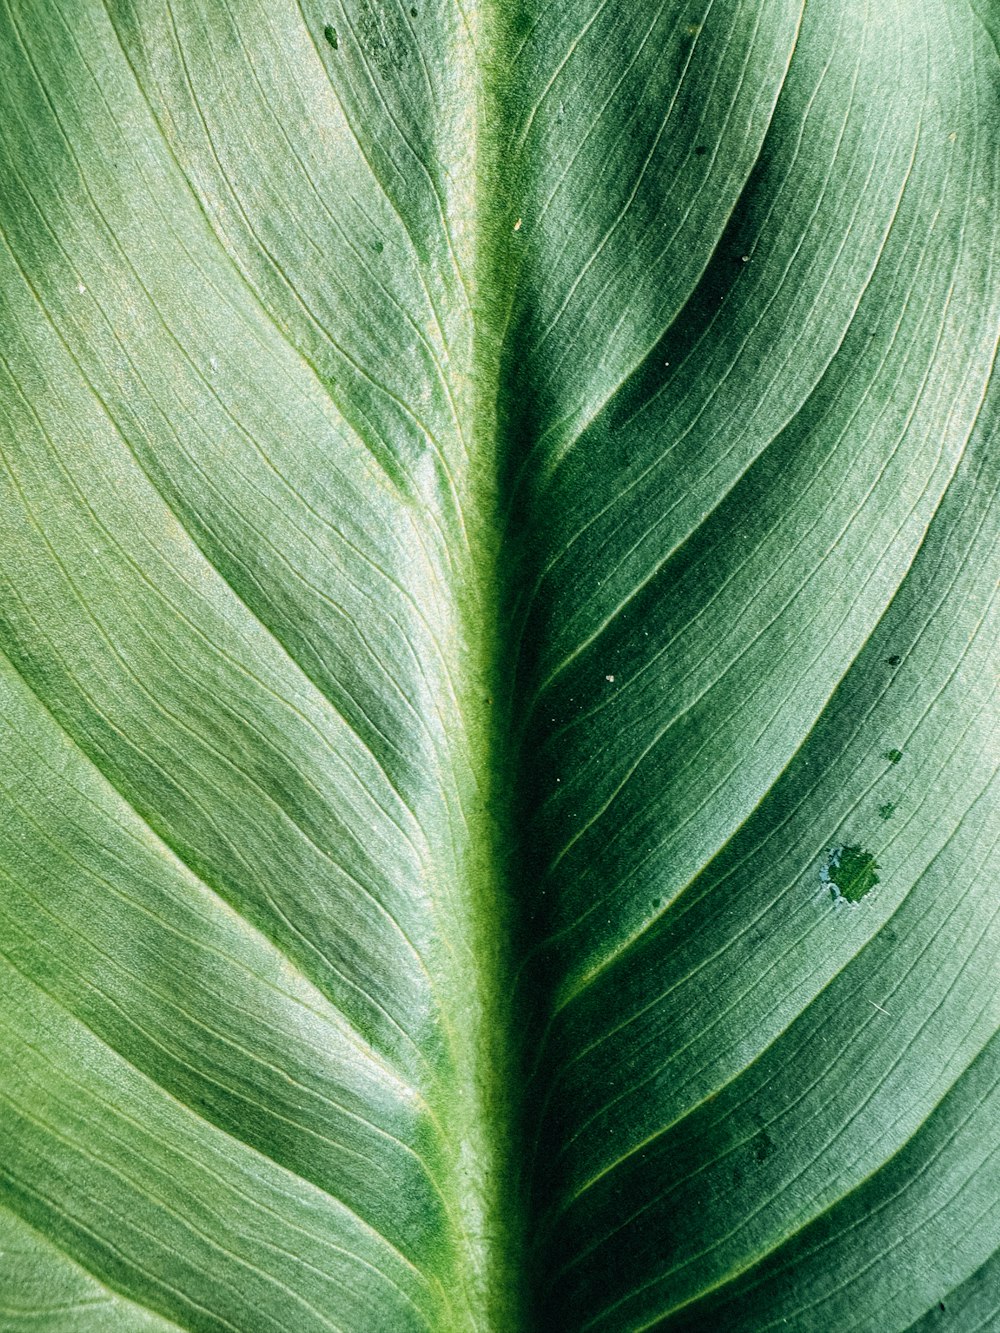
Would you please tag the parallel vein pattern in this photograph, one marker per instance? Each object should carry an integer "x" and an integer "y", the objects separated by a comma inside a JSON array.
[
  {"x": 757, "y": 630},
  {"x": 498, "y": 534}
]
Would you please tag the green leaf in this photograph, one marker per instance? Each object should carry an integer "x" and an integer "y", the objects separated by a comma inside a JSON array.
[{"x": 498, "y": 533}]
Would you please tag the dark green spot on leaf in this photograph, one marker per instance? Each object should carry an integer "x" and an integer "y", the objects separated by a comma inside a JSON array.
[
  {"x": 893, "y": 756},
  {"x": 894, "y": 660},
  {"x": 851, "y": 873},
  {"x": 887, "y": 811},
  {"x": 763, "y": 1146},
  {"x": 330, "y": 33}
]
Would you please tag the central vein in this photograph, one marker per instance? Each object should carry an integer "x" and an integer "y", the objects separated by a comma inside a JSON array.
[{"x": 482, "y": 203}]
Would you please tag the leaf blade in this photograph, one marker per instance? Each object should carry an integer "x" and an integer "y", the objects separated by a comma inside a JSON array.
[{"x": 466, "y": 482}]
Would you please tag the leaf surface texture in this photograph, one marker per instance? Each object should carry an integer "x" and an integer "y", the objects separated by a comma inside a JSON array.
[{"x": 498, "y": 532}]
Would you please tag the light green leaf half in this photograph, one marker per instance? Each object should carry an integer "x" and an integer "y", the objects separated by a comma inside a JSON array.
[{"x": 498, "y": 547}]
